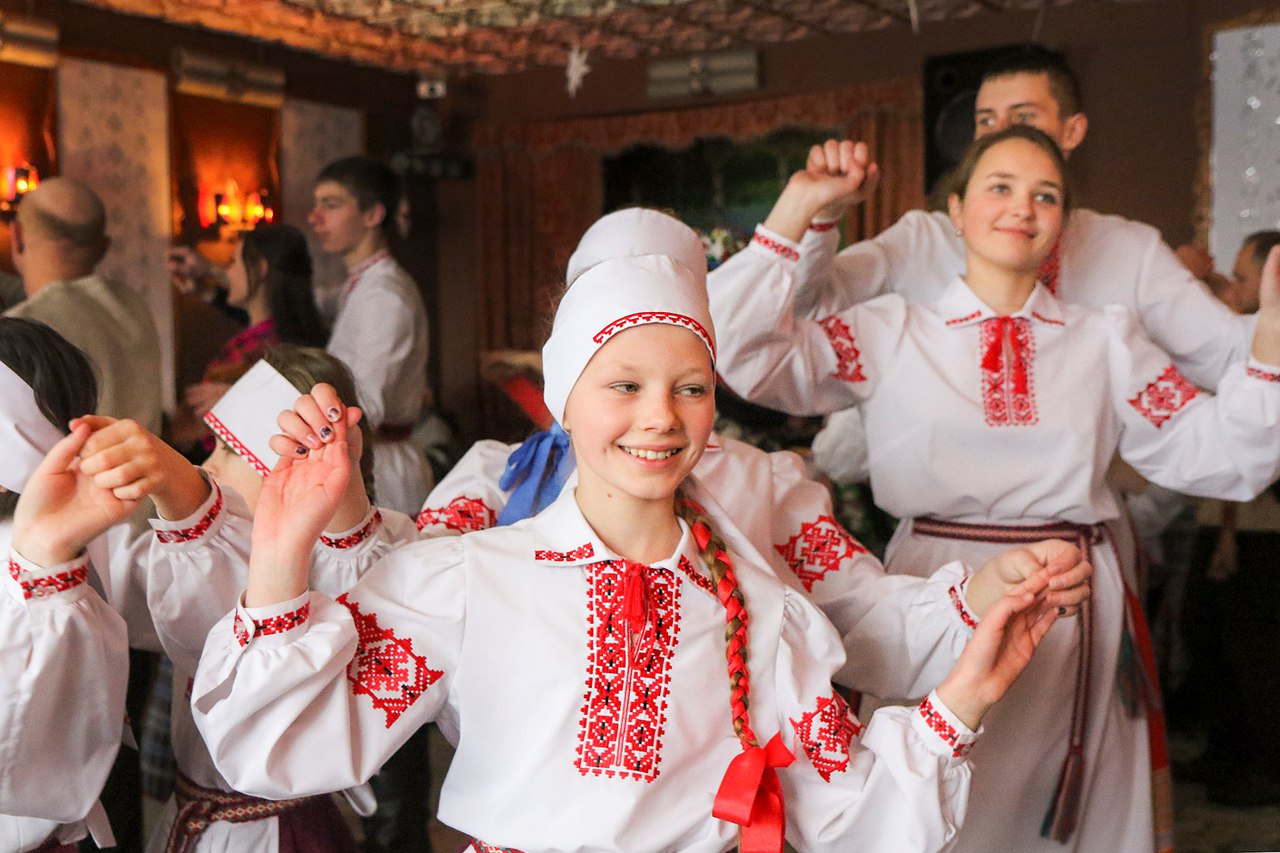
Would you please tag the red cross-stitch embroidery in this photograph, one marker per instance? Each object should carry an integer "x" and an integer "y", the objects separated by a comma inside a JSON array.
[
  {"x": 1044, "y": 319},
  {"x": 1051, "y": 267},
  {"x": 1008, "y": 386},
  {"x": 818, "y": 548},
  {"x": 826, "y": 733},
  {"x": 351, "y": 540},
  {"x": 477, "y": 844},
  {"x": 778, "y": 248},
  {"x": 385, "y": 667},
  {"x": 462, "y": 514},
  {"x": 943, "y": 729},
  {"x": 582, "y": 552},
  {"x": 957, "y": 601},
  {"x": 43, "y": 587},
  {"x": 1265, "y": 375},
  {"x": 274, "y": 625},
  {"x": 187, "y": 534},
  {"x": 644, "y": 317},
  {"x": 821, "y": 227},
  {"x": 1162, "y": 399},
  {"x": 211, "y": 420},
  {"x": 848, "y": 363},
  {"x": 699, "y": 580},
  {"x": 956, "y": 321},
  {"x": 628, "y": 675}
]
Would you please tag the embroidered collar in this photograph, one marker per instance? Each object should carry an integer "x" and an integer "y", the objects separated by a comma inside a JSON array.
[
  {"x": 562, "y": 537},
  {"x": 959, "y": 306},
  {"x": 354, "y": 273}
]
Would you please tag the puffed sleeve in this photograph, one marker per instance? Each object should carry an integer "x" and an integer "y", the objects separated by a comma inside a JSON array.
[
  {"x": 1223, "y": 446},
  {"x": 771, "y": 357},
  {"x": 829, "y": 281},
  {"x": 64, "y": 661},
  {"x": 194, "y": 570},
  {"x": 468, "y": 497},
  {"x": 901, "y": 633},
  {"x": 315, "y": 694},
  {"x": 901, "y": 783},
  {"x": 339, "y": 559}
]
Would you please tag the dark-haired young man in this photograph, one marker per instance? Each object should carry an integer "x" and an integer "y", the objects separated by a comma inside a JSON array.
[{"x": 381, "y": 328}]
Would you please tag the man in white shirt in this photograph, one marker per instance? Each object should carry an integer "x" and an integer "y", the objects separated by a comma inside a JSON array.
[
  {"x": 1101, "y": 259},
  {"x": 381, "y": 329}
]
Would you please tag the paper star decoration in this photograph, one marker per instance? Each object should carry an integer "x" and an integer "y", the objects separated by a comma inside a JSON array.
[{"x": 576, "y": 70}]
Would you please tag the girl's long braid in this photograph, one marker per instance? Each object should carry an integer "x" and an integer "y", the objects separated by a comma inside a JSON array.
[{"x": 716, "y": 558}]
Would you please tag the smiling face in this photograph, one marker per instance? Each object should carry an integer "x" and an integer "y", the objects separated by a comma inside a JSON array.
[
  {"x": 1012, "y": 208},
  {"x": 641, "y": 413}
]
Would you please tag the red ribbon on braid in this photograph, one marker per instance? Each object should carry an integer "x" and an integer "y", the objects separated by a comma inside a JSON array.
[{"x": 750, "y": 795}]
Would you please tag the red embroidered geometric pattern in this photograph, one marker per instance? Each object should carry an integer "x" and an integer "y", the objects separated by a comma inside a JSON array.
[
  {"x": 826, "y": 734},
  {"x": 235, "y": 444},
  {"x": 956, "y": 321},
  {"x": 351, "y": 540},
  {"x": 1008, "y": 393},
  {"x": 776, "y": 247},
  {"x": 943, "y": 729},
  {"x": 274, "y": 625},
  {"x": 1044, "y": 319},
  {"x": 958, "y": 602},
  {"x": 643, "y": 317},
  {"x": 477, "y": 844},
  {"x": 699, "y": 580},
  {"x": 820, "y": 227},
  {"x": 582, "y": 552},
  {"x": 187, "y": 534},
  {"x": 1051, "y": 267},
  {"x": 818, "y": 548},
  {"x": 385, "y": 667},
  {"x": 628, "y": 674},
  {"x": 462, "y": 514},
  {"x": 1162, "y": 399},
  {"x": 43, "y": 587},
  {"x": 1265, "y": 375},
  {"x": 848, "y": 366}
]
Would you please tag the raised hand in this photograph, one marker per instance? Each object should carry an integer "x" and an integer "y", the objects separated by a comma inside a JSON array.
[
  {"x": 999, "y": 650},
  {"x": 1069, "y": 575},
  {"x": 1266, "y": 338},
  {"x": 133, "y": 463},
  {"x": 298, "y": 499},
  {"x": 837, "y": 174},
  {"x": 61, "y": 509}
]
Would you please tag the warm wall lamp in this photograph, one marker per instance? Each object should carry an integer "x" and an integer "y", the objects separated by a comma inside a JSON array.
[
  {"x": 15, "y": 182},
  {"x": 230, "y": 210}
]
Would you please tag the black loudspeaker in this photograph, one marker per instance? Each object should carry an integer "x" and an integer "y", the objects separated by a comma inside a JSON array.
[{"x": 950, "y": 86}]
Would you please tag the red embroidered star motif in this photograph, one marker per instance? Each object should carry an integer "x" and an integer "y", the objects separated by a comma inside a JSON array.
[
  {"x": 848, "y": 358},
  {"x": 461, "y": 514},
  {"x": 818, "y": 548},
  {"x": 1164, "y": 397},
  {"x": 826, "y": 734},
  {"x": 385, "y": 667}
]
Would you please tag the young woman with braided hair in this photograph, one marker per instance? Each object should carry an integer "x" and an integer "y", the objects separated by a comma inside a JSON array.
[{"x": 619, "y": 586}]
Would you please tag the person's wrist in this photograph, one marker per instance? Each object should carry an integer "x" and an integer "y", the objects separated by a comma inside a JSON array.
[
  {"x": 44, "y": 547},
  {"x": 961, "y": 701}
]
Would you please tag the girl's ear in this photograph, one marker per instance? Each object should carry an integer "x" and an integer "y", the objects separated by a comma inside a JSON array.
[{"x": 954, "y": 209}]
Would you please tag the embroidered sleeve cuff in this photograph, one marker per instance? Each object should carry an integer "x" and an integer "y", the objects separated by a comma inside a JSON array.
[
  {"x": 362, "y": 532},
  {"x": 1265, "y": 372},
  {"x": 774, "y": 245},
  {"x": 821, "y": 226},
  {"x": 275, "y": 624},
  {"x": 958, "y": 593},
  {"x": 195, "y": 527},
  {"x": 939, "y": 727},
  {"x": 29, "y": 581}
]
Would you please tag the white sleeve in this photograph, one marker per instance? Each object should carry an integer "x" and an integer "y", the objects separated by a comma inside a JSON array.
[
  {"x": 1225, "y": 446},
  {"x": 468, "y": 498},
  {"x": 901, "y": 784},
  {"x": 773, "y": 358},
  {"x": 840, "y": 448},
  {"x": 195, "y": 568},
  {"x": 1185, "y": 320},
  {"x": 64, "y": 661},
  {"x": 373, "y": 338},
  {"x": 343, "y": 558},
  {"x": 313, "y": 694},
  {"x": 828, "y": 282}
]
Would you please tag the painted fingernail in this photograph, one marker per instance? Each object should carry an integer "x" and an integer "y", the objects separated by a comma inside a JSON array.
[
  {"x": 326, "y": 433},
  {"x": 333, "y": 414},
  {"x": 312, "y": 441},
  {"x": 300, "y": 450},
  {"x": 1062, "y": 611}
]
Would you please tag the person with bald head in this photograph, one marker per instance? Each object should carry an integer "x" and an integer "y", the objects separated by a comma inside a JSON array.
[{"x": 59, "y": 236}]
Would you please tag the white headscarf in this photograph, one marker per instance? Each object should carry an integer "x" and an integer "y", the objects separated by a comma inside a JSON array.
[
  {"x": 245, "y": 417},
  {"x": 631, "y": 268},
  {"x": 26, "y": 435}
]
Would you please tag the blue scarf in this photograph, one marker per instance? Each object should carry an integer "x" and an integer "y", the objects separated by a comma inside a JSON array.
[{"x": 535, "y": 474}]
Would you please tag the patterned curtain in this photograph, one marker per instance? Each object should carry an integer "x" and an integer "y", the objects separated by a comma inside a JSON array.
[{"x": 541, "y": 186}]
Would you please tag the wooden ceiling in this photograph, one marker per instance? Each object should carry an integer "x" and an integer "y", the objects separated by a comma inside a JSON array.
[{"x": 464, "y": 37}]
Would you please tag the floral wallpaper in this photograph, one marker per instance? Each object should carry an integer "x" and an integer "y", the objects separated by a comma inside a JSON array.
[
  {"x": 312, "y": 136},
  {"x": 113, "y": 130}
]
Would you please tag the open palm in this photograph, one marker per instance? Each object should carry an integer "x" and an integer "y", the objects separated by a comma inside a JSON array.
[{"x": 299, "y": 497}]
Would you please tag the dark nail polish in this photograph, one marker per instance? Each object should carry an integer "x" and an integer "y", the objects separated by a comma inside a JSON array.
[
  {"x": 332, "y": 413},
  {"x": 326, "y": 433},
  {"x": 300, "y": 450}
]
